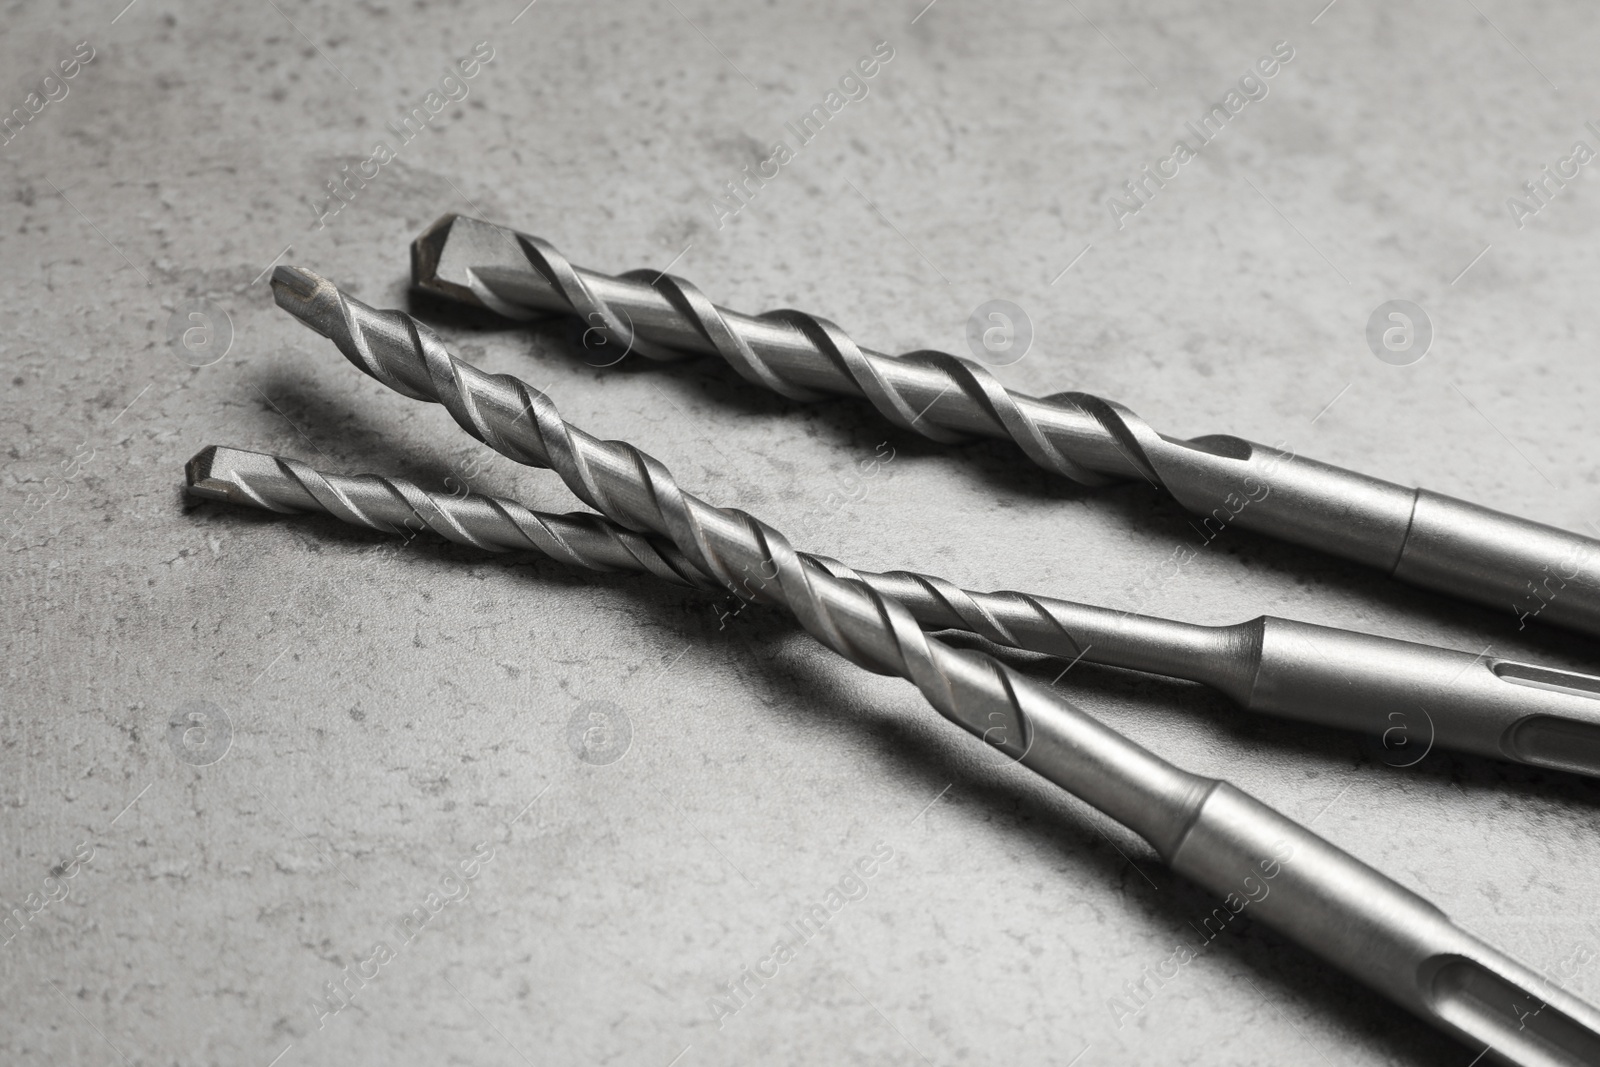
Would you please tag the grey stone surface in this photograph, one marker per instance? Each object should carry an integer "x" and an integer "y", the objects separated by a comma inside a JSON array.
[{"x": 392, "y": 708}]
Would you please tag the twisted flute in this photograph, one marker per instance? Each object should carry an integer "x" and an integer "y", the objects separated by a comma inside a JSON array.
[
  {"x": 1275, "y": 666},
  {"x": 1417, "y": 536},
  {"x": 1203, "y": 828},
  {"x": 396, "y": 506}
]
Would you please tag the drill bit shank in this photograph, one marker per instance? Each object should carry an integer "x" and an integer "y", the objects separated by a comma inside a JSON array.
[
  {"x": 1204, "y": 828},
  {"x": 1417, "y": 536}
]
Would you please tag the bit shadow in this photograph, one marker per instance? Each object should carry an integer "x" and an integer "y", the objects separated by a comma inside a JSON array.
[
  {"x": 291, "y": 413},
  {"x": 1016, "y": 803},
  {"x": 359, "y": 445},
  {"x": 918, "y": 748}
]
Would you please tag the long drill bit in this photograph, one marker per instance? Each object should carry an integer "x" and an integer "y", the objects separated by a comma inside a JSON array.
[
  {"x": 1421, "y": 537},
  {"x": 1206, "y": 829},
  {"x": 1270, "y": 665}
]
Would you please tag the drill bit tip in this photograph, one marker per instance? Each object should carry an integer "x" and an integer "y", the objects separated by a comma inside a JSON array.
[
  {"x": 449, "y": 256},
  {"x": 307, "y": 296},
  {"x": 197, "y": 475},
  {"x": 427, "y": 249},
  {"x": 214, "y": 473}
]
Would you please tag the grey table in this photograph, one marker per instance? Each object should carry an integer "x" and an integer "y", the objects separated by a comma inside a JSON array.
[{"x": 242, "y": 753}]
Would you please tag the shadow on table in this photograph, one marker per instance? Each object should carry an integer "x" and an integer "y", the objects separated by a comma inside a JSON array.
[
  {"x": 921, "y": 748},
  {"x": 999, "y": 467}
]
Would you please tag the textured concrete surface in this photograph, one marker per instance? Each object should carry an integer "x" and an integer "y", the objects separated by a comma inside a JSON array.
[{"x": 380, "y": 717}]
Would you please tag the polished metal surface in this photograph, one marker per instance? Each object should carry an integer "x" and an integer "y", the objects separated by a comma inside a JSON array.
[
  {"x": 1412, "y": 696},
  {"x": 1234, "y": 846},
  {"x": 1429, "y": 540}
]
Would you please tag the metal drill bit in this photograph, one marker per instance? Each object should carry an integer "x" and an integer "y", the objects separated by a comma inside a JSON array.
[
  {"x": 1206, "y": 829},
  {"x": 1280, "y": 667},
  {"x": 1421, "y": 537},
  {"x": 396, "y": 506}
]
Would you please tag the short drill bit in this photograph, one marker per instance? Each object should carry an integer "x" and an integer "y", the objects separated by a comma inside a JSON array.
[
  {"x": 1417, "y": 536},
  {"x": 1204, "y": 828},
  {"x": 1274, "y": 666}
]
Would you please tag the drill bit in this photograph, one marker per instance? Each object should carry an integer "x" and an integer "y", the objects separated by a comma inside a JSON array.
[
  {"x": 1417, "y": 536},
  {"x": 396, "y": 506},
  {"x": 1206, "y": 829},
  {"x": 1274, "y": 666}
]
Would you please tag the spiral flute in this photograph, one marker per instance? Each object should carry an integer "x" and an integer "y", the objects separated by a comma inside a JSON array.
[
  {"x": 396, "y": 506},
  {"x": 1417, "y": 536},
  {"x": 1275, "y": 666},
  {"x": 1204, "y": 828}
]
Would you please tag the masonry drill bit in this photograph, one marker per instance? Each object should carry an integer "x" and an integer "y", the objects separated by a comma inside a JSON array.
[
  {"x": 1414, "y": 696},
  {"x": 396, "y": 506},
  {"x": 1421, "y": 537},
  {"x": 1206, "y": 829}
]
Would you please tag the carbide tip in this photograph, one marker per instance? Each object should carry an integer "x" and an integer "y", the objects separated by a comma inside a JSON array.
[
  {"x": 307, "y": 296},
  {"x": 216, "y": 472},
  {"x": 447, "y": 256},
  {"x": 239, "y": 476},
  {"x": 427, "y": 249},
  {"x": 198, "y": 475}
]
